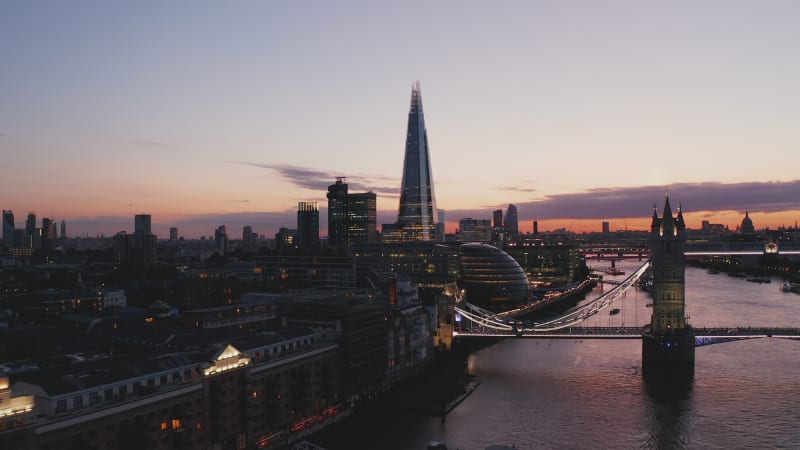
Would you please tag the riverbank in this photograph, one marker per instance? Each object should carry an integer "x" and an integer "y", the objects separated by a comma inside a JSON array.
[
  {"x": 763, "y": 271},
  {"x": 444, "y": 385},
  {"x": 435, "y": 392}
]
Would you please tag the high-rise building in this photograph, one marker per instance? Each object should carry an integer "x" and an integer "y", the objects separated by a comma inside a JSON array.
[
  {"x": 221, "y": 240},
  {"x": 498, "y": 234},
  {"x": 440, "y": 224},
  {"x": 352, "y": 218},
  {"x": 337, "y": 213},
  {"x": 30, "y": 230},
  {"x": 307, "y": 225},
  {"x": 142, "y": 244},
  {"x": 173, "y": 233},
  {"x": 30, "y": 224},
  {"x": 8, "y": 228},
  {"x": 511, "y": 222},
  {"x": 362, "y": 211},
  {"x": 606, "y": 227},
  {"x": 497, "y": 218},
  {"x": 49, "y": 230},
  {"x": 416, "y": 220},
  {"x": 141, "y": 224},
  {"x": 63, "y": 229},
  {"x": 248, "y": 238},
  {"x": 49, "y": 233},
  {"x": 535, "y": 227}
]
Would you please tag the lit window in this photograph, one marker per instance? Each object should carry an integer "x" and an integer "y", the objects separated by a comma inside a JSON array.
[
  {"x": 176, "y": 424},
  {"x": 164, "y": 426}
]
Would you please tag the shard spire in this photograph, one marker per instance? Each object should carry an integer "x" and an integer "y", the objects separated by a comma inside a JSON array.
[{"x": 417, "y": 216}]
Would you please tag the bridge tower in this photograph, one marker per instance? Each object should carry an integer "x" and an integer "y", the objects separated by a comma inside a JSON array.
[{"x": 668, "y": 344}]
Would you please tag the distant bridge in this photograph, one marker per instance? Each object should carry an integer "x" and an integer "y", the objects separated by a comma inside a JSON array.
[{"x": 741, "y": 248}]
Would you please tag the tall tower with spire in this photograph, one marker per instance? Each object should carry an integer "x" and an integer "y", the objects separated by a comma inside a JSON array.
[
  {"x": 416, "y": 220},
  {"x": 668, "y": 345}
]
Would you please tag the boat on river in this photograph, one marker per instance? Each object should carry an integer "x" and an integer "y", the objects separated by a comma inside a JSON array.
[{"x": 759, "y": 280}]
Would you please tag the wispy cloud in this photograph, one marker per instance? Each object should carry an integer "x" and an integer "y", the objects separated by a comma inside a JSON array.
[
  {"x": 317, "y": 180},
  {"x": 148, "y": 143},
  {"x": 514, "y": 188}
]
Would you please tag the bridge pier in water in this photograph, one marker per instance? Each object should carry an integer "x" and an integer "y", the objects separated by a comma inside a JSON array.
[{"x": 668, "y": 357}]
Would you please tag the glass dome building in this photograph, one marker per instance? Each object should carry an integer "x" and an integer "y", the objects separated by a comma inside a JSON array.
[{"x": 491, "y": 278}]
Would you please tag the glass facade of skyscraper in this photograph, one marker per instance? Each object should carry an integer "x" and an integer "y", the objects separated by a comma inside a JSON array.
[{"x": 416, "y": 220}]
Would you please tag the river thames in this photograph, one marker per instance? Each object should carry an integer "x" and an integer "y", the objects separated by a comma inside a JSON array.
[{"x": 537, "y": 394}]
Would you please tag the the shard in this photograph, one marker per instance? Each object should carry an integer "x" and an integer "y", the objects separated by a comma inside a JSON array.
[{"x": 416, "y": 220}]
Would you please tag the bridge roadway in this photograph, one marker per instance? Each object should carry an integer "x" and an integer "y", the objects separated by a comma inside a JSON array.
[
  {"x": 703, "y": 336},
  {"x": 694, "y": 248}
]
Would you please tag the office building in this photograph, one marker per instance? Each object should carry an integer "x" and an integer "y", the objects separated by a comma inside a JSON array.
[
  {"x": 142, "y": 244},
  {"x": 362, "y": 212},
  {"x": 141, "y": 224},
  {"x": 248, "y": 238},
  {"x": 63, "y": 229},
  {"x": 307, "y": 225},
  {"x": 285, "y": 238},
  {"x": 474, "y": 230},
  {"x": 221, "y": 240},
  {"x": 337, "y": 213},
  {"x": 30, "y": 224},
  {"x": 440, "y": 224},
  {"x": 511, "y": 222},
  {"x": 8, "y": 228},
  {"x": 427, "y": 264},
  {"x": 498, "y": 234},
  {"x": 121, "y": 246},
  {"x": 606, "y": 228},
  {"x": 497, "y": 218},
  {"x": 352, "y": 218},
  {"x": 173, "y": 233},
  {"x": 48, "y": 234},
  {"x": 416, "y": 220}
]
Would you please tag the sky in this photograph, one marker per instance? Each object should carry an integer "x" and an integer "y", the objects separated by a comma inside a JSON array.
[{"x": 230, "y": 113}]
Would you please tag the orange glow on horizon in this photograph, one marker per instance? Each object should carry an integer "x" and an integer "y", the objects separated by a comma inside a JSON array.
[{"x": 694, "y": 220}]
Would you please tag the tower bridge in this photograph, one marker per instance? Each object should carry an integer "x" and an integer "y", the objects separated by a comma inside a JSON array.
[{"x": 668, "y": 342}]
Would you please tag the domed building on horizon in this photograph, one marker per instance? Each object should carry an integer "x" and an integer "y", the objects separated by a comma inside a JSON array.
[
  {"x": 491, "y": 278},
  {"x": 747, "y": 224}
]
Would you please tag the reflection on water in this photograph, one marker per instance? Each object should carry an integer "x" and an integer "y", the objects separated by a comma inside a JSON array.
[{"x": 670, "y": 405}]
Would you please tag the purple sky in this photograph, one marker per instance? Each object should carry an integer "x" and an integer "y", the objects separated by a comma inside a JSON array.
[{"x": 210, "y": 113}]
